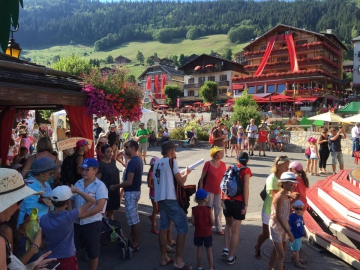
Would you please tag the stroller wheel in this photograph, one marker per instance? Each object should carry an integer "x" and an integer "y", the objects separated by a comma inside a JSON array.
[
  {"x": 86, "y": 257},
  {"x": 123, "y": 254},
  {"x": 129, "y": 253},
  {"x": 129, "y": 242}
]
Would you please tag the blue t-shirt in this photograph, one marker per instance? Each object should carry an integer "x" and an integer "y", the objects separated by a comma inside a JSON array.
[
  {"x": 297, "y": 225},
  {"x": 58, "y": 229},
  {"x": 134, "y": 166}
]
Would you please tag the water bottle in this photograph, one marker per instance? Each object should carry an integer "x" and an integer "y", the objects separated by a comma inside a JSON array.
[{"x": 32, "y": 227}]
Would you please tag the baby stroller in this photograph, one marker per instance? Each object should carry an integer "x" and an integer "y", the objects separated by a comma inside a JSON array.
[
  {"x": 191, "y": 141},
  {"x": 111, "y": 233},
  {"x": 153, "y": 141}
]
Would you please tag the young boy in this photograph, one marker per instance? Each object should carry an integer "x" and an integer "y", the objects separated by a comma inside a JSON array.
[
  {"x": 297, "y": 229},
  {"x": 62, "y": 221},
  {"x": 87, "y": 230},
  {"x": 203, "y": 219}
]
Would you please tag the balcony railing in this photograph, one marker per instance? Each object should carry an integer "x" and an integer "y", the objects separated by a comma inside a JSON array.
[
  {"x": 204, "y": 70},
  {"x": 194, "y": 85},
  {"x": 223, "y": 83}
]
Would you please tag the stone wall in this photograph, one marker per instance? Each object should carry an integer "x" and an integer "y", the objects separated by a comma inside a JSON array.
[{"x": 300, "y": 138}]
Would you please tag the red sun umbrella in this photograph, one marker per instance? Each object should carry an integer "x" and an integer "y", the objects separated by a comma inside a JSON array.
[
  {"x": 197, "y": 68},
  {"x": 197, "y": 103},
  {"x": 209, "y": 66},
  {"x": 163, "y": 106}
]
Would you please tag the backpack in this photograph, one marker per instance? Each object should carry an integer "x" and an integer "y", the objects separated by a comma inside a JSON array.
[
  {"x": 69, "y": 170},
  {"x": 211, "y": 139},
  {"x": 231, "y": 184}
]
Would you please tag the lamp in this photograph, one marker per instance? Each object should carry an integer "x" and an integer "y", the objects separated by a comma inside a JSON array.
[{"x": 13, "y": 48}]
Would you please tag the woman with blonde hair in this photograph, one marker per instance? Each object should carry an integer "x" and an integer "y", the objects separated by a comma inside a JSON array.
[{"x": 210, "y": 179}]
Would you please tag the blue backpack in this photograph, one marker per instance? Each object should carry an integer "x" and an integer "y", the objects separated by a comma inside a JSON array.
[{"x": 231, "y": 184}]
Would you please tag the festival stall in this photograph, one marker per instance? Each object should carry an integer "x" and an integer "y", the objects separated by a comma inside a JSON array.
[{"x": 149, "y": 118}]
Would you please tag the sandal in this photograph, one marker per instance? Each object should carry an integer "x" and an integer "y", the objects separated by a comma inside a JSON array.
[
  {"x": 185, "y": 267},
  {"x": 170, "y": 249},
  {"x": 135, "y": 249},
  {"x": 299, "y": 265},
  {"x": 257, "y": 253},
  {"x": 172, "y": 243},
  {"x": 170, "y": 261}
]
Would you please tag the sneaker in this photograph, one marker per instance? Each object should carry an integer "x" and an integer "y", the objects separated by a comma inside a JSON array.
[
  {"x": 231, "y": 261},
  {"x": 251, "y": 154},
  {"x": 225, "y": 254},
  {"x": 334, "y": 173},
  {"x": 264, "y": 155},
  {"x": 259, "y": 155}
]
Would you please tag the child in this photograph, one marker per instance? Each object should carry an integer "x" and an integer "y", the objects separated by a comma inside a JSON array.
[
  {"x": 62, "y": 221},
  {"x": 314, "y": 156},
  {"x": 307, "y": 155},
  {"x": 21, "y": 156},
  {"x": 11, "y": 153},
  {"x": 278, "y": 224},
  {"x": 301, "y": 178},
  {"x": 279, "y": 142},
  {"x": 240, "y": 140},
  {"x": 296, "y": 223},
  {"x": 150, "y": 182},
  {"x": 203, "y": 219}
]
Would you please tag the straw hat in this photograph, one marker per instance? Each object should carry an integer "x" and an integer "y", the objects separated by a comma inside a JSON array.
[
  {"x": 22, "y": 132},
  {"x": 13, "y": 188}
]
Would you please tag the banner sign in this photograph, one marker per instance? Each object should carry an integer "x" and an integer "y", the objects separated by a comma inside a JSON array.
[{"x": 71, "y": 143}]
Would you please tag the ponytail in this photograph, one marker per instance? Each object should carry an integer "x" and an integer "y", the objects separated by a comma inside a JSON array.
[{"x": 304, "y": 178}]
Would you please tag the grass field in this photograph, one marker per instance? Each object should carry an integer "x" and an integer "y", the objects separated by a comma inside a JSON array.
[{"x": 205, "y": 44}]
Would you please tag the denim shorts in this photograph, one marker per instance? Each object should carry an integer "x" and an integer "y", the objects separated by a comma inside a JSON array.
[
  {"x": 296, "y": 245},
  {"x": 171, "y": 211},
  {"x": 337, "y": 156}
]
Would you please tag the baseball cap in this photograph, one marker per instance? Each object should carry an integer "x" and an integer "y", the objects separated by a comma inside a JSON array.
[
  {"x": 61, "y": 193},
  {"x": 81, "y": 143},
  {"x": 242, "y": 156},
  {"x": 103, "y": 140},
  {"x": 166, "y": 146},
  {"x": 201, "y": 194},
  {"x": 153, "y": 160},
  {"x": 141, "y": 124},
  {"x": 89, "y": 162},
  {"x": 112, "y": 125},
  {"x": 288, "y": 177},
  {"x": 296, "y": 165},
  {"x": 298, "y": 203}
]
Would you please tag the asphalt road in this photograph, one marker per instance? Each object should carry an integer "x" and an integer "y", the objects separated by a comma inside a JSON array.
[{"x": 148, "y": 258}]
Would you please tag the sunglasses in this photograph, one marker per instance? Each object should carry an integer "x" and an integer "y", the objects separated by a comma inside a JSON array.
[{"x": 298, "y": 208}]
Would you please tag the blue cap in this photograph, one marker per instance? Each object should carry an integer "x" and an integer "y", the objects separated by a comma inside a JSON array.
[
  {"x": 89, "y": 162},
  {"x": 201, "y": 194},
  {"x": 44, "y": 165}
]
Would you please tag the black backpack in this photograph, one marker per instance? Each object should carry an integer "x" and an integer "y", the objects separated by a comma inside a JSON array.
[{"x": 69, "y": 174}]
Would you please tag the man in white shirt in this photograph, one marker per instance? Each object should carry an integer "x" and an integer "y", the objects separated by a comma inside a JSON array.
[
  {"x": 355, "y": 135},
  {"x": 252, "y": 130},
  {"x": 170, "y": 210}
]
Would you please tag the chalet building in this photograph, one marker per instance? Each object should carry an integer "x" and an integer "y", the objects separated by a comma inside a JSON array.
[
  {"x": 122, "y": 60},
  {"x": 166, "y": 62},
  {"x": 209, "y": 68},
  {"x": 288, "y": 59},
  {"x": 106, "y": 70},
  {"x": 356, "y": 65},
  {"x": 155, "y": 78}
]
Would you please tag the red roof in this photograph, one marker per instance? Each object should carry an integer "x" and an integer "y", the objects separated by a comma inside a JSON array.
[{"x": 237, "y": 87}]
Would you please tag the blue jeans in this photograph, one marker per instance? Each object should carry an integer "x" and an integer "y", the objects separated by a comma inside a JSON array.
[
  {"x": 170, "y": 210},
  {"x": 355, "y": 144}
]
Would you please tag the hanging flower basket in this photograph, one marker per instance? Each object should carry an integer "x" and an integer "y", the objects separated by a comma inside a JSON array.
[
  {"x": 21, "y": 114},
  {"x": 112, "y": 96}
]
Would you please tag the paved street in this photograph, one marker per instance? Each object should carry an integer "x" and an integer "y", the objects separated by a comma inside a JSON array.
[{"x": 148, "y": 258}]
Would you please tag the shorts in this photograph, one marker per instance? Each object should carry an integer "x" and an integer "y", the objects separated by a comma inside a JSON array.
[
  {"x": 232, "y": 208},
  {"x": 337, "y": 156},
  {"x": 142, "y": 148},
  {"x": 171, "y": 210},
  {"x": 313, "y": 158},
  {"x": 68, "y": 263},
  {"x": 296, "y": 245},
  {"x": 276, "y": 236},
  {"x": 233, "y": 140},
  {"x": 131, "y": 207},
  {"x": 252, "y": 141},
  {"x": 151, "y": 194},
  {"x": 88, "y": 236},
  {"x": 307, "y": 156},
  {"x": 262, "y": 145},
  {"x": 265, "y": 218},
  {"x": 203, "y": 241}
]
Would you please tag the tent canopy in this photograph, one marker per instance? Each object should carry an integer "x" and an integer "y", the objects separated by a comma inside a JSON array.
[
  {"x": 149, "y": 118},
  {"x": 351, "y": 108}
]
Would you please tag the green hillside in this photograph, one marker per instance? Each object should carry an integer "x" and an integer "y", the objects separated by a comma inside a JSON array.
[{"x": 217, "y": 43}]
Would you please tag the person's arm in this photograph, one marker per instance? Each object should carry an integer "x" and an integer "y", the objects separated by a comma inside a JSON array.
[
  {"x": 246, "y": 193},
  {"x": 336, "y": 136},
  {"x": 98, "y": 207},
  {"x": 320, "y": 141},
  {"x": 343, "y": 135},
  {"x": 89, "y": 201},
  {"x": 181, "y": 179},
  {"x": 79, "y": 161},
  {"x": 41, "y": 263},
  {"x": 22, "y": 142},
  {"x": 25, "y": 258},
  {"x": 27, "y": 166},
  {"x": 212, "y": 219},
  {"x": 317, "y": 152},
  {"x": 3, "y": 264},
  {"x": 192, "y": 219},
  {"x": 278, "y": 202},
  {"x": 71, "y": 205},
  {"x": 56, "y": 172}
]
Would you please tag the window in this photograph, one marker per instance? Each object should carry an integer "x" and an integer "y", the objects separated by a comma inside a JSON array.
[
  {"x": 191, "y": 93},
  {"x": 302, "y": 56},
  {"x": 270, "y": 89},
  {"x": 283, "y": 59},
  {"x": 260, "y": 89},
  {"x": 358, "y": 70},
  {"x": 222, "y": 91},
  {"x": 191, "y": 80},
  {"x": 281, "y": 88},
  {"x": 263, "y": 48},
  {"x": 211, "y": 78},
  {"x": 251, "y": 90},
  {"x": 301, "y": 42},
  {"x": 321, "y": 53},
  {"x": 201, "y": 79},
  {"x": 223, "y": 78}
]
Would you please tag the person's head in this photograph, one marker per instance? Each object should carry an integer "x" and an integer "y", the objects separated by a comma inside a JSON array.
[
  {"x": 333, "y": 131},
  {"x": 44, "y": 144},
  {"x": 216, "y": 153},
  {"x": 168, "y": 149},
  {"x": 13, "y": 191},
  {"x": 55, "y": 153},
  {"x": 324, "y": 130},
  {"x": 131, "y": 148},
  {"x": 60, "y": 196},
  {"x": 242, "y": 158},
  {"x": 67, "y": 134},
  {"x": 141, "y": 125},
  {"x": 263, "y": 128},
  {"x": 297, "y": 168},
  {"x": 107, "y": 150},
  {"x": 22, "y": 133},
  {"x": 298, "y": 207},
  {"x": 112, "y": 127},
  {"x": 234, "y": 124},
  {"x": 312, "y": 140},
  {"x": 102, "y": 141},
  {"x": 44, "y": 168},
  {"x": 153, "y": 161},
  {"x": 357, "y": 124},
  {"x": 96, "y": 125},
  {"x": 281, "y": 165},
  {"x": 89, "y": 168},
  {"x": 23, "y": 151},
  {"x": 82, "y": 145},
  {"x": 271, "y": 131},
  {"x": 252, "y": 121},
  {"x": 201, "y": 196},
  {"x": 241, "y": 129},
  {"x": 288, "y": 181},
  {"x": 221, "y": 126},
  {"x": 278, "y": 127}
]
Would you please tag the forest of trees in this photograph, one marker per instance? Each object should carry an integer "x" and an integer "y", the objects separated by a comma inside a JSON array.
[{"x": 45, "y": 22}]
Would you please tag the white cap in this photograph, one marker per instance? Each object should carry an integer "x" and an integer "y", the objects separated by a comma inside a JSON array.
[
  {"x": 61, "y": 193},
  {"x": 298, "y": 203},
  {"x": 288, "y": 177}
]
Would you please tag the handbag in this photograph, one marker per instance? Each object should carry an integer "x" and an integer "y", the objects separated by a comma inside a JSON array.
[
  {"x": 183, "y": 193},
  {"x": 204, "y": 180},
  {"x": 308, "y": 151},
  {"x": 263, "y": 193}
]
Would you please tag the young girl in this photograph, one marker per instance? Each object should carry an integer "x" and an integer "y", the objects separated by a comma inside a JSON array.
[
  {"x": 314, "y": 157},
  {"x": 11, "y": 153},
  {"x": 278, "y": 224},
  {"x": 279, "y": 142},
  {"x": 301, "y": 178},
  {"x": 307, "y": 155},
  {"x": 240, "y": 140},
  {"x": 272, "y": 141},
  {"x": 203, "y": 219},
  {"x": 150, "y": 182}
]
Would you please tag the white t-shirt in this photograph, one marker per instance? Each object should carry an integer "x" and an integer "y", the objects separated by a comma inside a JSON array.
[
  {"x": 164, "y": 180},
  {"x": 355, "y": 132},
  {"x": 250, "y": 129}
]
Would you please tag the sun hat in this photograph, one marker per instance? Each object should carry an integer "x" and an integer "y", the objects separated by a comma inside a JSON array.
[
  {"x": 89, "y": 162},
  {"x": 312, "y": 140},
  {"x": 22, "y": 132},
  {"x": 13, "y": 188},
  {"x": 241, "y": 127},
  {"x": 298, "y": 203},
  {"x": 81, "y": 143},
  {"x": 103, "y": 140},
  {"x": 242, "y": 156},
  {"x": 153, "y": 160},
  {"x": 201, "y": 194},
  {"x": 214, "y": 150},
  {"x": 44, "y": 165},
  {"x": 112, "y": 125},
  {"x": 296, "y": 165},
  {"x": 61, "y": 193},
  {"x": 166, "y": 146},
  {"x": 288, "y": 177}
]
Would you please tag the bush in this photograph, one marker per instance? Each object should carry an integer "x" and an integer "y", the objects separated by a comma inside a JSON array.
[{"x": 178, "y": 134}]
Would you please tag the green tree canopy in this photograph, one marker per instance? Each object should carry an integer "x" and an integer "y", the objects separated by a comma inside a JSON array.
[
  {"x": 246, "y": 108},
  {"x": 73, "y": 64},
  {"x": 193, "y": 33},
  {"x": 150, "y": 61},
  {"x": 109, "y": 59},
  {"x": 243, "y": 33},
  {"x": 227, "y": 54},
  {"x": 209, "y": 92},
  {"x": 172, "y": 92},
  {"x": 140, "y": 57}
]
